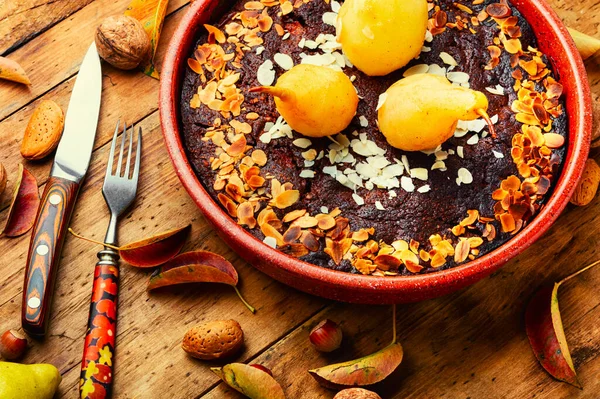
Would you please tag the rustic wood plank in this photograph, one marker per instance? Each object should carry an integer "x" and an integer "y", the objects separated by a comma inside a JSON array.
[
  {"x": 20, "y": 21},
  {"x": 126, "y": 95},
  {"x": 472, "y": 343},
  {"x": 39, "y": 57},
  {"x": 151, "y": 326}
]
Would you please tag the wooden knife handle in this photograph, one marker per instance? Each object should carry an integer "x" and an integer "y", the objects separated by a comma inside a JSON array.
[
  {"x": 97, "y": 367},
  {"x": 45, "y": 246}
]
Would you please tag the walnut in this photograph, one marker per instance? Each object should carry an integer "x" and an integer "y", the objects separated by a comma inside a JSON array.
[{"x": 122, "y": 42}]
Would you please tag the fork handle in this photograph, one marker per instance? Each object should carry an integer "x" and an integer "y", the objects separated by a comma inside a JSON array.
[
  {"x": 47, "y": 238},
  {"x": 97, "y": 366}
]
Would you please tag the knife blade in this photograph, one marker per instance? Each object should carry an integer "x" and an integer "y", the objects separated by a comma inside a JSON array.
[{"x": 68, "y": 171}]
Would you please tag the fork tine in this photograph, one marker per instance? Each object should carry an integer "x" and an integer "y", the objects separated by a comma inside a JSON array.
[
  {"x": 111, "y": 155},
  {"x": 123, "y": 138},
  {"x": 138, "y": 156},
  {"x": 126, "y": 175}
]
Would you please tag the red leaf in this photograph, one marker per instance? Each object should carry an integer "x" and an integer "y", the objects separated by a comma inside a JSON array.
[
  {"x": 547, "y": 337},
  {"x": 24, "y": 206},
  {"x": 194, "y": 267},
  {"x": 156, "y": 250},
  {"x": 367, "y": 370}
]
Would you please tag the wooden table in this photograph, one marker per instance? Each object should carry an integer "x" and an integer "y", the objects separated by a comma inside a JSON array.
[{"x": 471, "y": 344}]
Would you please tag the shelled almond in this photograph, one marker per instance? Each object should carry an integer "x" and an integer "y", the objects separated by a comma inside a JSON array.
[
  {"x": 588, "y": 185},
  {"x": 43, "y": 131}
]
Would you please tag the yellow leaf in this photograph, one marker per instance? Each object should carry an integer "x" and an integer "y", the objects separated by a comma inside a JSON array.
[{"x": 151, "y": 14}]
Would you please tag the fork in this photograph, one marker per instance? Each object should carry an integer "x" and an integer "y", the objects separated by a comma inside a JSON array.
[{"x": 98, "y": 353}]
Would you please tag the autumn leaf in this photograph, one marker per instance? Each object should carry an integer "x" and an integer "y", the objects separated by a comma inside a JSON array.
[
  {"x": 546, "y": 334},
  {"x": 11, "y": 70},
  {"x": 197, "y": 267},
  {"x": 151, "y": 14},
  {"x": 155, "y": 250},
  {"x": 24, "y": 206},
  {"x": 152, "y": 251},
  {"x": 250, "y": 381},
  {"x": 367, "y": 370}
]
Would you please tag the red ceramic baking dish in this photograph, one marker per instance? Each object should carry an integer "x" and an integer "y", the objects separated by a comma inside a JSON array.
[{"x": 553, "y": 40}]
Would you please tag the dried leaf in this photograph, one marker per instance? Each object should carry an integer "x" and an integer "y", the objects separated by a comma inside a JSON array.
[
  {"x": 11, "y": 70},
  {"x": 250, "y": 381},
  {"x": 546, "y": 333},
  {"x": 24, "y": 206},
  {"x": 194, "y": 267},
  {"x": 197, "y": 267},
  {"x": 151, "y": 13},
  {"x": 155, "y": 250}
]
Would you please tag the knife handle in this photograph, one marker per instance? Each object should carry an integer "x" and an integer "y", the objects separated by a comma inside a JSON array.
[
  {"x": 97, "y": 366},
  {"x": 45, "y": 246}
]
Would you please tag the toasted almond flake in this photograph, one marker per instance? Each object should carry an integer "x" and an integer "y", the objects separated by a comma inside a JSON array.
[
  {"x": 365, "y": 266},
  {"x": 424, "y": 189},
  {"x": 381, "y": 101},
  {"x": 498, "y": 90},
  {"x": 387, "y": 262},
  {"x": 330, "y": 18},
  {"x": 458, "y": 230},
  {"x": 302, "y": 142},
  {"x": 286, "y": 8},
  {"x": 216, "y": 33},
  {"x": 507, "y": 222},
  {"x": 307, "y": 174},
  {"x": 306, "y": 221},
  {"x": 473, "y": 214},
  {"x": 475, "y": 242},
  {"x": 252, "y": 116},
  {"x": 416, "y": 70},
  {"x": 270, "y": 231},
  {"x": 448, "y": 59},
  {"x": 286, "y": 199},
  {"x": 259, "y": 50},
  {"x": 379, "y": 206},
  {"x": 438, "y": 165},
  {"x": 437, "y": 260},
  {"x": 474, "y": 139},
  {"x": 461, "y": 251},
  {"x": 238, "y": 147},
  {"x": 465, "y": 176},
  {"x": 265, "y": 73},
  {"x": 554, "y": 140},
  {"x": 460, "y": 151},
  {"x": 407, "y": 184},
  {"x": 363, "y": 121},
  {"x": 284, "y": 61},
  {"x": 310, "y": 155},
  {"x": 325, "y": 222},
  {"x": 358, "y": 199},
  {"x": 419, "y": 173},
  {"x": 458, "y": 77},
  {"x": 270, "y": 241},
  {"x": 497, "y": 154}
]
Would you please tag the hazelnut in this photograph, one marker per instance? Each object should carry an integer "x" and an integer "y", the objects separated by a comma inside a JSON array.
[
  {"x": 12, "y": 345},
  {"x": 356, "y": 393},
  {"x": 326, "y": 336},
  {"x": 123, "y": 42},
  {"x": 214, "y": 340}
]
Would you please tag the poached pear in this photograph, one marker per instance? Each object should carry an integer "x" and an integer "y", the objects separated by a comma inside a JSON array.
[
  {"x": 421, "y": 111},
  {"x": 31, "y": 381},
  {"x": 380, "y": 36},
  {"x": 315, "y": 101}
]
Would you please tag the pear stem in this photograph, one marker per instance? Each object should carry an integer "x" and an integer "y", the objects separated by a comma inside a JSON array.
[
  {"x": 93, "y": 241},
  {"x": 579, "y": 272},
  {"x": 283, "y": 94},
  {"x": 481, "y": 112},
  {"x": 239, "y": 294}
]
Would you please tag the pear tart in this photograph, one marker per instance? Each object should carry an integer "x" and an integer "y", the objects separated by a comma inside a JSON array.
[{"x": 351, "y": 201}]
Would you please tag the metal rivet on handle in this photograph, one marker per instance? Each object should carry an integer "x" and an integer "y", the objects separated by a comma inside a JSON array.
[
  {"x": 42, "y": 249},
  {"x": 54, "y": 199},
  {"x": 34, "y": 302}
]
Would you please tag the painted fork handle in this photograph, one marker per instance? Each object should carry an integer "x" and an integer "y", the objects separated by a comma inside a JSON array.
[
  {"x": 47, "y": 238},
  {"x": 98, "y": 353}
]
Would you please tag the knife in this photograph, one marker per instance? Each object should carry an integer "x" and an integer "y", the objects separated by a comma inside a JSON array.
[{"x": 70, "y": 166}]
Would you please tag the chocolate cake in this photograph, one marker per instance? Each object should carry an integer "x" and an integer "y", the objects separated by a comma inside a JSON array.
[{"x": 352, "y": 202}]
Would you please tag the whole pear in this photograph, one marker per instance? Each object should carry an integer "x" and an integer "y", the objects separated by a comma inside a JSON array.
[
  {"x": 315, "y": 101},
  {"x": 380, "y": 36},
  {"x": 420, "y": 112},
  {"x": 33, "y": 381}
]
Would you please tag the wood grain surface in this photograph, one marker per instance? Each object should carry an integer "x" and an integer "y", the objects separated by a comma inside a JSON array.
[{"x": 471, "y": 344}]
